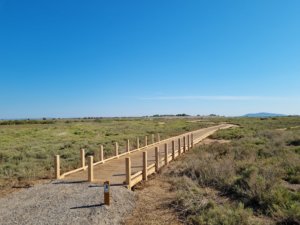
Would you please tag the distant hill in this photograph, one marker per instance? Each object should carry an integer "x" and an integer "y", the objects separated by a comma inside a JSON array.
[{"x": 263, "y": 115}]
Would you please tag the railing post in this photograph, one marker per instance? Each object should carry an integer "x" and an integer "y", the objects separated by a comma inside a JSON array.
[
  {"x": 156, "y": 159},
  {"x": 146, "y": 141},
  {"x": 153, "y": 138},
  {"x": 57, "y": 166},
  {"x": 166, "y": 154},
  {"x": 137, "y": 143},
  {"x": 101, "y": 154},
  {"x": 179, "y": 146},
  {"x": 188, "y": 142},
  {"x": 145, "y": 166},
  {"x": 128, "y": 172},
  {"x": 91, "y": 169},
  {"x": 117, "y": 149},
  {"x": 192, "y": 140},
  {"x": 184, "y": 144},
  {"x": 158, "y": 138},
  {"x": 82, "y": 157},
  {"x": 128, "y": 146},
  {"x": 173, "y": 150}
]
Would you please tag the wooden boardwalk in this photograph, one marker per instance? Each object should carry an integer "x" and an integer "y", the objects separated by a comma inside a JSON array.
[{"x": 114, "y": 170}]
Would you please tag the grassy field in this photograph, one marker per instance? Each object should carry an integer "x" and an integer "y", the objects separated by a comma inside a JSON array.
[
  {"x": 254, "y": 179},
  {"x": 27, "y": 147}
]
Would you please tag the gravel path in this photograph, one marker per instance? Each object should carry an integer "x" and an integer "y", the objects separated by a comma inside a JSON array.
[{"x": 61, "y": 203}]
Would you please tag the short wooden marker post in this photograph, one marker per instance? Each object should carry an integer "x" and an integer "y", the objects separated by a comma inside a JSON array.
[
  {"x": 156, "y": 159},
  {"x": 166, "y": 154},
  {"x": 173, "y": 150},
  {"x": 101, "y": 154},
  {"x": 192, "y": 140},
  {"x": 146, "y": 141},
  {"x": 179, "y": 147},
  {"x": 82, "y": 157},
  {"x": 57, "y": 166},
  {"x": 184, "y": 144},
  {"x": 145, "y": 166},
  {"x": 107, "y": 193},
  {"x": 128, "y": 146},
  {"x": 153, "y": 138},
  {"x": 137, "y": 143},
  {"x": 91, "y": 169},
  {"x": 117, "y": 148},
  {"x": 128, "y": 172},
  {"x": 188, "y": 142}
]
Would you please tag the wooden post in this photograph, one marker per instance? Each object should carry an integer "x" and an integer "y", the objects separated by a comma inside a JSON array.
[
  {"x": 179, "y": 147},
  {"x": 107, "y": 193},
  {"x": 137, "y": 143},
  {"x": 156, "y": 159},
  {"x": 128, "y": 173},
  {"x": 146, "y": 141},
  {"x": 188, "y": 142},
  {"x": 117, "y": 149},
  {"x": 57, "y": 166},
  {"x": 128, "y": 146},
  {"x": 192, "y": 140},
  {"x": 166, "y": 154},
  {"x": 173, "y": 150},
  {"x": 91, "y": 169},
  {"x": 101, "y": 154},
  {"x": 158, "y": 138},
  {"x": 153, "y": 138},
  {"x": 184, "y": 144},
  {"x": 145, "y": 166},
  {"x": 82, "y": 157}
]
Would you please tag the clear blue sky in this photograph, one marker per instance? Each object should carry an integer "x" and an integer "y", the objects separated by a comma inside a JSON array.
[{"x": 72, "y": 58}]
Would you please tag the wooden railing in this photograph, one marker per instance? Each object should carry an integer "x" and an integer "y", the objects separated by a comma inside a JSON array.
[{"x": 184, "y": 143}]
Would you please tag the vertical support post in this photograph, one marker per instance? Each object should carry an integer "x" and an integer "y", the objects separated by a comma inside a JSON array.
[
  {"x": 192, "y": 140},
  {"x": 146, "y": 141},
  {"x": 82, "y": 157},
  {"x": 91, "y": 169},
  {"x": 158, "y": 138},
  {"x": 156, "y": 159},
  {"x": 145, "y": 166},
  {"x": 166, "y": 154},
  {"x": 101, "y": 154},
  {"x": 137, "y": 143},
  {"x": 57, "y": 166},
  {"x": 128, "y": 172},
  {"x": 184, "y": 144},
  {"x": 188, "y": 142},
  {"x": 153, "y": 138},
  {"x": 117, "y": 149},
  {"x": 173, "y": 150},
  {"x": 128, "y": 146},
  {"x": 179, "y": 147}
]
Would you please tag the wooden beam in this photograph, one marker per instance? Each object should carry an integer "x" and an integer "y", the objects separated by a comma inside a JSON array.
[
  {"x": 57, "y": 166},
  {"x": 101, "y": 154},
  {"x": 128, "y": 172},
  {"x": 173, "y": 150},
  {"x": 145, "y": 166},
  {"x": 82, "y": 157},
  {"x": 91, "y": 169},
  {"x": 156, "y": 159},
  {"x": 166, "y": 154},
  {"x": 117, "y": 149},
  {"x": 128, "y": 146}
]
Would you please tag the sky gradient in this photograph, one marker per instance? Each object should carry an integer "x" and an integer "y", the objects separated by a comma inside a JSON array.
[{"x": 71, "y": 58}]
